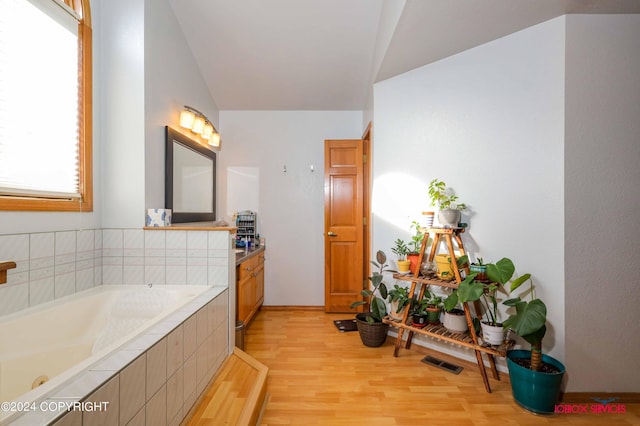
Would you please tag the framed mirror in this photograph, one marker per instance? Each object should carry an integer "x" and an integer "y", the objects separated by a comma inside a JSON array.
[{"x": 190, "y": 179}]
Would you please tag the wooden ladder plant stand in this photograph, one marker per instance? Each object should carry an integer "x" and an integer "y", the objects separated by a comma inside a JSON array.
[{"x": 468, "y": 339}]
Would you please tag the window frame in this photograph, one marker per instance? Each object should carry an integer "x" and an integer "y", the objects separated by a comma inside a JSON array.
[{"x": 85, "y": 129}]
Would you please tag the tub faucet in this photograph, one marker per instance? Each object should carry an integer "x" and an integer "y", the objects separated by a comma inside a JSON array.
[{"x": 3, "y": 270}]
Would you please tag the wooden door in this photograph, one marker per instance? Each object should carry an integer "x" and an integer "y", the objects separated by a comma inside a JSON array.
[{"x": 343, "y": 223}]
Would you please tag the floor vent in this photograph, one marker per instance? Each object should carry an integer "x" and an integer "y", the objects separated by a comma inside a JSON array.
[{"x": 447, "y": 366}]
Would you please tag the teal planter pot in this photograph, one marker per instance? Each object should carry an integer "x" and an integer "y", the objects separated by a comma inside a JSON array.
[{"x": 535, "y": 391}]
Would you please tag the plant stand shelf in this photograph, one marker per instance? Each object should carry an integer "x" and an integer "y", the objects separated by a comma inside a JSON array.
[{"x": 419, "y": 283}]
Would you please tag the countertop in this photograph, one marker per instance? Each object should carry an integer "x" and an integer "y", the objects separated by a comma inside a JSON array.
[{"x": 243, "y": 255}]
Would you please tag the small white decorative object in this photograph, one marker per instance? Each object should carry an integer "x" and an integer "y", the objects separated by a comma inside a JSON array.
[{"x": 158, "y": 217}]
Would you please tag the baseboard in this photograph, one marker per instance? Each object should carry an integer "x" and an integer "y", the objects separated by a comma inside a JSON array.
[
  {"x": 593, "y": 397},
  {"x": 291, "y": 308}
]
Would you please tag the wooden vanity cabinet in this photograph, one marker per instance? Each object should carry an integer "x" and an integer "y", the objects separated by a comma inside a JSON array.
[{"x": 250, "y": 287}]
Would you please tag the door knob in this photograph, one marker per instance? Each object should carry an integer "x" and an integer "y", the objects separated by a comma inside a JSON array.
[{"x": 332, "y": 234}]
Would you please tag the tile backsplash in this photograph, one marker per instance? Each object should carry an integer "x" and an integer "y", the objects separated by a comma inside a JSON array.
[{"x": 51, "y": 265}]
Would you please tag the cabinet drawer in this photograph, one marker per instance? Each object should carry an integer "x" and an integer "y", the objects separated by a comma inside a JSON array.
[{"x": 245, "y": 269}]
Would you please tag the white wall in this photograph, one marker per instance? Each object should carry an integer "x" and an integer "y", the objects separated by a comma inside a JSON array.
[
  {"x": 172, "y": 80},
  {"x": 490, "y": 123},
  {"x": 602, "y": 199},
  {"x": 291, "y": 204},
  {"x": 123, "y": 119}
]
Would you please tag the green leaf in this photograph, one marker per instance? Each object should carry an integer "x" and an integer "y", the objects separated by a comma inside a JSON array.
[
  {"x": 356, "y": 304},
  {"x": 383, "y": 290},
  {"x": 535, "y": 338},
  {"x": 519, "y": 281},
  {"x": 366, "y": 293},
  {"x": 502, "y": 271},
  {"x": 470, "y": 290},
  {"x": 451, "y": 301},
  {"x": 378, "y": 309},
  {"x": 529, "y": 317},
  {"x": 462, "y": 260},
  {"x": 381, "y": 257},
  {"x": 511, "y": 302}
]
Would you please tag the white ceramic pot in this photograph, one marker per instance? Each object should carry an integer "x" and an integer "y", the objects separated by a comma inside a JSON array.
[
  {"x": 392, "y": 311},
  {"x": 455, "y": 321},
  {"x": 449, "y": 217},
  {"x": 491, "y": 334}
]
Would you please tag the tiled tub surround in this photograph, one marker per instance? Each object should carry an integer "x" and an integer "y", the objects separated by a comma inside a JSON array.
[
  {"x": 51, "y": 265},
  {"x": 153, "y": 379}
]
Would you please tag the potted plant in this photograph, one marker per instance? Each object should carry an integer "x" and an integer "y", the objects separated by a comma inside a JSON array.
[
  {"x": 471, "y": 290},
  {"x": 398, "y": 299},
  {"x": 401, "y": 250},
  {"x": 434, "y": 309},
  {"x": 419, "y": 314},
  {"x": 441, "y": 196},
  {"x": 454, "y": 318},
  {"x": 480, "y": 268},
  {"x": 373, "y": 332},
  {"x": 536, "y": 379},
  {"x": 415, "y": 245}
]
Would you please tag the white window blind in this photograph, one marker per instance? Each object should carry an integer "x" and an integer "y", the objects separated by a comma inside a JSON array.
[{"x": 38, "y": 100}]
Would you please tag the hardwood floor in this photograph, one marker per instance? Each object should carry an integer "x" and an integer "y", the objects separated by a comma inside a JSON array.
[{"x": 318, "y": 375}]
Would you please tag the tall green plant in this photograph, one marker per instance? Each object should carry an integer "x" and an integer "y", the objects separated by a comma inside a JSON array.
[
  {"x": 376, "y": 295},
  {"x": 529, "y": 320}
]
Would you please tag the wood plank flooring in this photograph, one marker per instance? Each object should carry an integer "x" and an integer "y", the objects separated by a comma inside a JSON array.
[{"x": 319, "y": 376}]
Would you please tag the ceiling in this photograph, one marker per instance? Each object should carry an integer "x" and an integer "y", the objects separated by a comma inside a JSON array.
[{"x": 325, "y": 54}]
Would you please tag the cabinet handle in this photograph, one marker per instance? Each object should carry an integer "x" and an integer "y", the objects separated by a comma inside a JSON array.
[{"x": 332, "y": 234}]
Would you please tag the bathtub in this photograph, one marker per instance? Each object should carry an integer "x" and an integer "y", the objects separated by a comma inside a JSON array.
[{"x": 46, "y": 348}]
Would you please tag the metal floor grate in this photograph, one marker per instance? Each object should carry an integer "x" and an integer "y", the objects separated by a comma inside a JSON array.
[{"x": 447, "y": 366}]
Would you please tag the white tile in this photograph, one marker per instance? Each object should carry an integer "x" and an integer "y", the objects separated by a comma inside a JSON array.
[
  {"x": 176, "y": 275},
  {"x": 218, "y": 275},
  {"x": 85, "y": 240},
  {"x": 197, "y": 240},
  {"x": 15, "y": 248},
  {"x": 154, "y": 239},
  {"x": 41, "y": 291},
  {"x": 116, "y": 361},
  {"x": 218, "y": 240},
  {"x": 133, "y": 239},
  {"x": 84, "y": 279},
  {"x": 112, "y": 239},
  {"x": 19, "y": 278},
  {"x": 64, "y": 284},
  {"x": 112, "y": 274},
  {"x": 13, "y": 298},
  {"x": 154, "y": 274},
  {"x": 196, "y": 275},
  {"x": 176, "y": 243},
  {"x": 133, "y": 274},
  {"x": 132, "y": 389},
  {"x": 156, "y": 367},
  {"x": 220, "y": 255},
  {"x": 41, "y": 250},
  {"x": 97, "y": 239},
  {"x": 65, "y": 247},
  {"x": 82, "y": 385}
]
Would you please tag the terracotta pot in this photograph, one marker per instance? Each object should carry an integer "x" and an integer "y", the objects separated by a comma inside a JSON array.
[{"x": 413, "y": 258}]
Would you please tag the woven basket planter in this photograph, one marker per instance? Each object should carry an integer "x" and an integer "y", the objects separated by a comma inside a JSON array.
[{"x": 372, "y": 335}]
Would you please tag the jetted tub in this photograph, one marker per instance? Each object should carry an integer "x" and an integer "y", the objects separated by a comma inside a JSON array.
[{"x": 43, "y": 348}]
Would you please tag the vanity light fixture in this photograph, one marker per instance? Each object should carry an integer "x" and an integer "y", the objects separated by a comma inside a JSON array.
[{"x": 198, "y": 123}]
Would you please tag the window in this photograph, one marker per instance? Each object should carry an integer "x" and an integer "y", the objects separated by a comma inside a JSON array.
[{"x": 45, "y": 105}]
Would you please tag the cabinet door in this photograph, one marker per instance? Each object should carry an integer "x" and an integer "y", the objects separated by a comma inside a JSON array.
[
  {"x": 259, "y": 277},
  {"x": 246, "y": 299}
]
